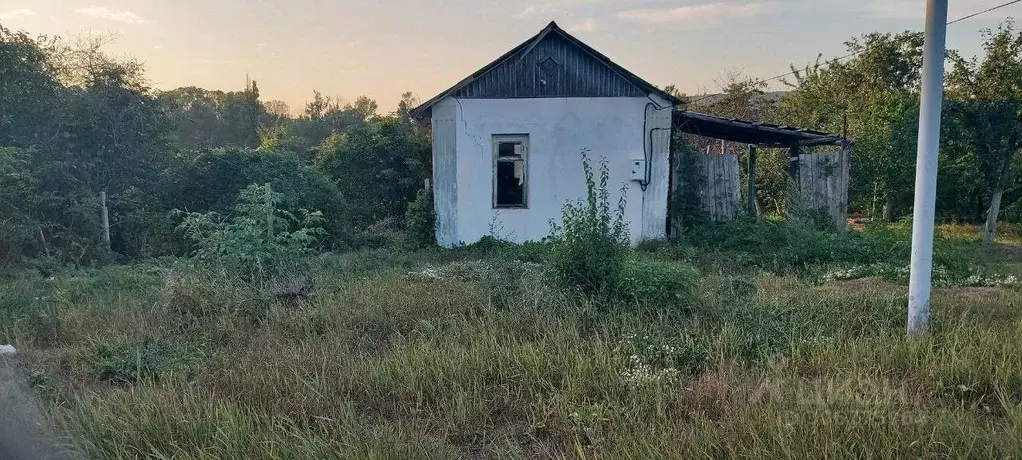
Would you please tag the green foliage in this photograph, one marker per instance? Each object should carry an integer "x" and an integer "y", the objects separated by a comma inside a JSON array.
[
  {"x": 685, "y": 206},
  {"x": 378, "y": 167},
  {"x": 795, "y": 245},
  {"x": 420, "y": 220},
  {"x": 986, "y": 107},
  {"x": 259, "y": 241},
  {"x": 885, "y": 150},
  {"x": 591, "y": 241},
  {"x": 131, "y": 363},
  {"x": 876, "y": 91},
  {"x": 205, "y": 119},
  {"x": 86, "y": 123},
  {"x": 212, "y": 181},
  {"x": 785, "y": 245},
  {"x": 652, "y": 358},
  {"x": 18, "y": 187},
  {"x": 658, "y": 284}
]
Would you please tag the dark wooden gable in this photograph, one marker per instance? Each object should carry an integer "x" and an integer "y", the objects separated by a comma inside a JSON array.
[{"x": 553, "y": 66}]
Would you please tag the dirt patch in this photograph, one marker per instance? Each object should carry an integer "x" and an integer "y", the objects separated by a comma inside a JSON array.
[{"x": 24, "y": 433}]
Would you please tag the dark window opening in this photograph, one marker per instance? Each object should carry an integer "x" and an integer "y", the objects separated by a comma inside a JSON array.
[{"x": 509, "y": 171}]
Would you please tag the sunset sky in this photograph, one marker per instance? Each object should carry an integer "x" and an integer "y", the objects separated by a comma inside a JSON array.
[{"x": 345, "y": 48}]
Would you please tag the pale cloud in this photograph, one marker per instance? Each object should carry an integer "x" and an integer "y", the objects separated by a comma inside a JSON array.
[
  {"x": 699, "y": 13},
  {"x": 585, "y": 25},
  {"x": 18, "y": 13},
  {"x": 555, "y": 7},
  {"x": 103, "y": 12},
  {"x": 529, "y": 11}
]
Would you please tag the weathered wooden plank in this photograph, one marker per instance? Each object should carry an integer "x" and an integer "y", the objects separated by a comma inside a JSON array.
[
  {"x": 718, "y": 190},
  {"x": 823, "y": 184}
]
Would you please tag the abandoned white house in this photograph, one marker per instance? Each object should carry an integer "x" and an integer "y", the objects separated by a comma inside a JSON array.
[{"x": 507, "y": 141}]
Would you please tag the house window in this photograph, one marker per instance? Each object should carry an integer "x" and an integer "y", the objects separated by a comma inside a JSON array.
[{"x": 510, "y": 156}]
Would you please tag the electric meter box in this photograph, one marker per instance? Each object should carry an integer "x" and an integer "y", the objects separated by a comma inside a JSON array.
[{"x": 639, "y": 169}]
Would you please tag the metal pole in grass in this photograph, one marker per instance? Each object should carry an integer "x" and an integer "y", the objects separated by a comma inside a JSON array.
[{"x": 926, "y": 168}]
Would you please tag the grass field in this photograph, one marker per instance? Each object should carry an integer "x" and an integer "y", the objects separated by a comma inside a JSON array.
[{"x": 475, "y": 353}]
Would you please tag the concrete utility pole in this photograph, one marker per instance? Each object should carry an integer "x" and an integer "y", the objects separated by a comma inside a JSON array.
[
  {"x": 104, "y": 215},
  {"x": 926, "y": 168}
]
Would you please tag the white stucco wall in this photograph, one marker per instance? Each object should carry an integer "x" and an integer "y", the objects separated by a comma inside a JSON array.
[
  {"x": 445, "y": 184},
  {"x": 558, "y": 129}
]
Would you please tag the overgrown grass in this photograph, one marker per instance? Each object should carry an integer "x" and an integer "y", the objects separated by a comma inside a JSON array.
[{"x": 476, "y": 353}]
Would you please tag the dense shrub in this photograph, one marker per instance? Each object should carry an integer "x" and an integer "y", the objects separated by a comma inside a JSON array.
[
  {"x": 657, "y": 284},
  {"x": 591, "y": 242},
  {"x": 530, "y": 251},
  {"x": 378, "y": 166},
  {"x": 783, "y": 245},
  {"x": 261, "y": 243},
  {"x": 213, "y": 181},
  {"x": 420, "y": 221}
]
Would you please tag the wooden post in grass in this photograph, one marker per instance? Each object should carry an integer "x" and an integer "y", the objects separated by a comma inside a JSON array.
[
  {"x": 752, "y": 180},
  {"x": 269, "y": 211},
  {"x": 105, "y": 219},
  {"x": 793, "y": 153}
]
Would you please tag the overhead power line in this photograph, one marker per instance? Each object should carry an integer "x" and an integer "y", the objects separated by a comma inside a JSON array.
[
  {"x": 968, "y": 16},
  {"x": 854, "y": 53}
]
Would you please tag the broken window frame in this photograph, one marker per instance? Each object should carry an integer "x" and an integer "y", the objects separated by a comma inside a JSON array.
[{"x": 523, "y": 158}]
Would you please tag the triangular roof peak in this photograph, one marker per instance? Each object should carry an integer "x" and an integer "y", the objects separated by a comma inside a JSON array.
[{"x": 552, "y": 63}]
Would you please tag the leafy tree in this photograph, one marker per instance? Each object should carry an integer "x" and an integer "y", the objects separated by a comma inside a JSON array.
[
  {"x": 378, "y": 167},
  {"x": 987, "y": 105},
  {"x": 277, "y": 110},
  {"x": 884, "y": 146},
  {"x": 875, "y": 90},
  {"x": 740, "y": 97},
  {"x": 86, "y": 123},
  {"x": 215, "y": 119},
  {"x": 29, "y": 90}
]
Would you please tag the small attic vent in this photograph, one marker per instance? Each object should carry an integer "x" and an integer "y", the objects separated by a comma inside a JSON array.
[{"x": 549, "y": 65}]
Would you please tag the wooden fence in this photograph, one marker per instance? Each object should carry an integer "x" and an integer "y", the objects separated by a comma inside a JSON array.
[
  {"x": 823, "y": 184},
  {"x": 719, "y": 189}
]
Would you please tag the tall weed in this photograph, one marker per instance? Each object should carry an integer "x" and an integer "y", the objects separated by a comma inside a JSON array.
[{"x": 591, "y": 241}]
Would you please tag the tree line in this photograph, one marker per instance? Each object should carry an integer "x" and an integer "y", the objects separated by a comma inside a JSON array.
[
  {"x": 76, "y": 123},
  {"x": 875, "y": 96}
]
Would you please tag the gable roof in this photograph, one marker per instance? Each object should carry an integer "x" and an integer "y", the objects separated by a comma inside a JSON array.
[{"x": 589, "y": 73}]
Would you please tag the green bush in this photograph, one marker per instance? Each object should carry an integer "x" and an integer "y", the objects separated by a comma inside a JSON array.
[
  {"x": 530, "y": 251},
  {"x": 591, "y": 242},
  {"x": 261, "y": 242},
  {"x": 785, "y": 245},
  {"x": 420, "y": 221},
  {"x": 213, "y": 181},
  {"x": 658, "y": 284}
]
